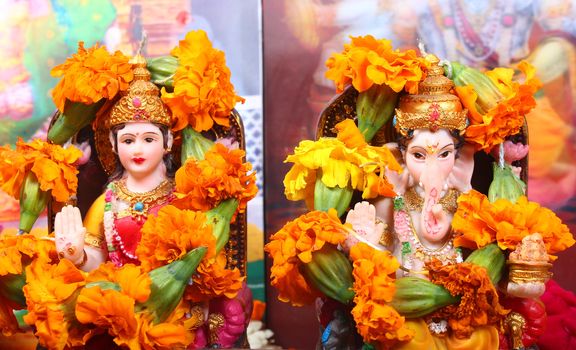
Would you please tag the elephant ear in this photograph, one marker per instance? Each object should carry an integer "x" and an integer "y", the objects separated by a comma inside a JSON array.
[
  {"x": 461, "y": 176},
  {"x": 400, "y": 181}
]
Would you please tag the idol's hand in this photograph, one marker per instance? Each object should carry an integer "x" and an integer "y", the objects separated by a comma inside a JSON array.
[
  {"x": 365, "y": 224},
  {"x": 69, "y": 234}
]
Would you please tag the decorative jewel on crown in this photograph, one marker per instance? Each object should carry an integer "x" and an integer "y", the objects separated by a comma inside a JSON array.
[
  {"x": 433, "y": 107},
  {"x": 141, "y": 102}
]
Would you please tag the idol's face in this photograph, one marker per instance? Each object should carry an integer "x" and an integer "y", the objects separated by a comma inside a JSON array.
[
  {"x": 432, "y": 153},
  {"x": 141, "y": 149}
]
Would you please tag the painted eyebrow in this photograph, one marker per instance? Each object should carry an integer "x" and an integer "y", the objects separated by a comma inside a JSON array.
[
  {"x": 450, "y": 144},
  {"x": 154, "y": 133}
]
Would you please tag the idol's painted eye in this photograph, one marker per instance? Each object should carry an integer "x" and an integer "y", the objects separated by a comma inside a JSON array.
[
  {"x": 418, "y": 155},
  {"x": 445, "y": 154},
  {"x": 127, "y": 141},
  {"x": 149, "y": 139}
]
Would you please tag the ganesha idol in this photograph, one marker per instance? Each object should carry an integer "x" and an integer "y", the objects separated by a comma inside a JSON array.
[{"x": 421, "y": 263}]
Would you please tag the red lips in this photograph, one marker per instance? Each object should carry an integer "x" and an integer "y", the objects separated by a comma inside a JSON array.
[{"x": 138, "y": 160}]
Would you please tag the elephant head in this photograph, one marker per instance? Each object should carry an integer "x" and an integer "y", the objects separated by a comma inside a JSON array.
[{"x": 432, "y": 164}]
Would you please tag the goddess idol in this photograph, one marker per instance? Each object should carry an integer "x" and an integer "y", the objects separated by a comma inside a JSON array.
[{"x": 159, "y": 260}]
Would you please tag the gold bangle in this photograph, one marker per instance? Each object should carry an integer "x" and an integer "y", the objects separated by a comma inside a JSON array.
[{"x": 84, "y": 259}]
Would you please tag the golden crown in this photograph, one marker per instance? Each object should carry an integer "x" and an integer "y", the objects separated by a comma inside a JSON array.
[
  {"x": 433, "y": 107},
  {"x": 141, "y": 102}
]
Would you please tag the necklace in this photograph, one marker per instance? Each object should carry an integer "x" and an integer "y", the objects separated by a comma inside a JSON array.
[
  {"x": 139, "y": 205},
  {"x": 414, "y": 201},
  {"x": 140, "y": 202},
  {"x": 479, "y": 38}
]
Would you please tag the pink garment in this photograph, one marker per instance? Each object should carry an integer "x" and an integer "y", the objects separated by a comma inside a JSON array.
[
  {"x": 236, "y": 312},
  {"x": 128, "y": 229},
  {"x": 561, "y": 308}
]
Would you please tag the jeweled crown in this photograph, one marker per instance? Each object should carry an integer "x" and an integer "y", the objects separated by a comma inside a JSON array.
[
  {"x": 433, "y": 107},
  {"x": 141, "y": 102}
]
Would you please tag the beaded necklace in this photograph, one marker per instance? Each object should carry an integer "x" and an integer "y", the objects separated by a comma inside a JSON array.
[{"x": 139, "y": 205}]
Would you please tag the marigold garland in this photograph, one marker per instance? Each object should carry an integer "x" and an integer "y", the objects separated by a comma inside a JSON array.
[
  {"x": 51, "y": 292},
  {"x": 293, "y": 245},
  {"x": 479, "y": 304},
  {"x": 212, "y": 279},
  {"x": 164, "y": 336},
  {"x": 171, "y": 234},
  {"x": 477, "y": 222},
  {"x": 507, "y": 117},
  {"x": 109, "y": 310},
  {"x": 133, "y": 280},
  {"x": 344, "y": 161},
  {"x": 16, "y": 251},
  {"x": 374, "y": 287},
  {"x": 366, "y": 61},
  {"x": 222, "y": 174},
  {"x": 91, "y": 75},
  {"x": 53, "y": 165},
  {"x": 203, "y": 94}
]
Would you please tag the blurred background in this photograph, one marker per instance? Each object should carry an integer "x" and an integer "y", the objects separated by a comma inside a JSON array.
[{"x": 276, "y": 51}]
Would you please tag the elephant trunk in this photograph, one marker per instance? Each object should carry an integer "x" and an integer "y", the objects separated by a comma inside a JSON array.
[{"x": 433, "y": 220}]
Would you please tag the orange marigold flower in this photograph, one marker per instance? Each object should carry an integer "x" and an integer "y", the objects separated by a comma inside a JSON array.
[
  {"x": 222, "y": 174},
  {"x": 367, "y": 61},
  {"x": 132, "y": 280},
  {"x": 163, "y": 336},
  {"x": 479, "y": 304},
  {"x": 203, "y": 94},
  {"x": 91, "y": 75},
  {"x": 474, "y": 222},
  {"x": 53, "y": 165},
  {"x": 110, "y": 310},
  {"x": 516, "y": 221},
  {"x": 477, "y": 222},
  {"x": 374, "y": 287},
  {"x": 171, "y": 234},
  {"x": 212, "y": 279},
  {"x": 51, "y": 292},
  {"x": 293, "y": 245},
  {"x": 507, "y": 116},
  {"x": 349, "y": 134},
  {"x": 17, "y": 251}
]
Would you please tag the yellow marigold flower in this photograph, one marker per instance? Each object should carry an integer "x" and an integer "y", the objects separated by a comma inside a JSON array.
[
  {"x": 51, "y": 292},
  {"x": 171, "y": 234},
  {"x": 477, "y": 222},
  {"x": 293, "y": 245},
  {"x": 91, "y": 75},
  {"x": 506, "y": 117},
  {"x": 361, "y": 167},
  {"x": 53, "y": 165},
  {"x": 212, "y": 279},
  {"x": 367, "y": 61},
  {"x": 203, "y": 94},
  {"x": 374, "y": 287},
  {"x": 222, "y": 174}
]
